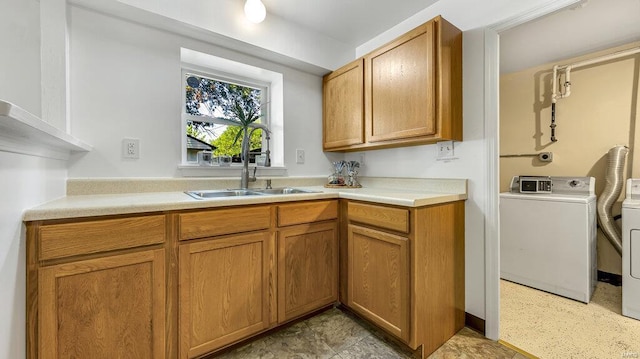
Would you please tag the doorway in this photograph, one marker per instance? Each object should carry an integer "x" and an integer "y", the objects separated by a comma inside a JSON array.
[{"x": 531, "y": 319}]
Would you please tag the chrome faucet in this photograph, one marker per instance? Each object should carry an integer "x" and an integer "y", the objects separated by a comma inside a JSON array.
[{"x": 245, "y": 178}]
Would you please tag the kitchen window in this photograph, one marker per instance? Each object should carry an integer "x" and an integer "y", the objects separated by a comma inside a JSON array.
[
  {"x": 211, "y": 86},
  {"x": 211, "y": 100}
]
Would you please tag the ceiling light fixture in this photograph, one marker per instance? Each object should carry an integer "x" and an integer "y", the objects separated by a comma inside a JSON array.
[{"x": 255, "y": 11}]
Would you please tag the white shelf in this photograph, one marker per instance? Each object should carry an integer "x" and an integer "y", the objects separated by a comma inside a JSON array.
[{"x": 23, "y": 132}]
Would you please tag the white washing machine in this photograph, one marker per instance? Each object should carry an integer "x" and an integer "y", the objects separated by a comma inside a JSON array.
[
  {"x": 548, "y": 240},
  {"x": 631, "y": 250}
]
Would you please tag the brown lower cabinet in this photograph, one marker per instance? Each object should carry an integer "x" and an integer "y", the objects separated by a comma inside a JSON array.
[
  {"x": 178, "y": 285},
  {"x": 274, "y": 264},
  {"x": 405, "y": 269},
  {"x": 378, "y": 278},
  {"x": 103, "y": 308},
  {"x": 102, "y": 301},
  {"x": 224, "y": 291},
  {"x": 307, "y": 268}
]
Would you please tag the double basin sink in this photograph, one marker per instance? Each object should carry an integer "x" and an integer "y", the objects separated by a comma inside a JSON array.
[{"x": 245, "y": 192}]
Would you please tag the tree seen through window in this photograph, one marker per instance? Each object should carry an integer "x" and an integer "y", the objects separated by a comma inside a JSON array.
[{"x": 209, "y": 99}]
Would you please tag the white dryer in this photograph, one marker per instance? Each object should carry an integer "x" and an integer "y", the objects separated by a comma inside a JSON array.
[
  {"x": 631, "y": 250},
  {"x": 548, "y": 240}
]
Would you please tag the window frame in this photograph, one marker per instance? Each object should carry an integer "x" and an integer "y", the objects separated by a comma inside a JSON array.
[
  {"x": 237, "y": 66},
  {"x": 221, "y": 76}
]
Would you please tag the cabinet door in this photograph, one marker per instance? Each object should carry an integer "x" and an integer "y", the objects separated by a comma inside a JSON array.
[
  {"x": 112, "y": 307},
  {"x": 400, "y": 88},
  {"x": 378, "y": 276},
  {"x": 307, "y": 268},
  {"x": 223, "y": 291},
  {"x": 343, "y": 111}
]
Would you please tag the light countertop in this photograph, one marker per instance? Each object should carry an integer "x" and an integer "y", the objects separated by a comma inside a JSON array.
[{"x": 89, "y": 205}]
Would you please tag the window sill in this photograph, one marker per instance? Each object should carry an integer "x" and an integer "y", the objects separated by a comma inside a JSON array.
[{"x": 193, "y": 170}]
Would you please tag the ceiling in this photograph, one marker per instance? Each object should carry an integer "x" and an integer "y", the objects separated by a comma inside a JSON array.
[
  {"x": 589, "y": 26},
  {"x": 325, "y": 33},
  {"x": 350, "y": 21}
]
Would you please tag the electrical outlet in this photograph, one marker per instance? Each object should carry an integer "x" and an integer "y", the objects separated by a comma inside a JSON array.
[
  {"x": 445, "y": 149},
  {"x": 299, "y": 156},
  {"x": 131, "y": 148}
]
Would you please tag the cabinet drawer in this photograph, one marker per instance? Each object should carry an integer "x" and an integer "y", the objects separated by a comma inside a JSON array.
[
  {"x": 70, "y": 239},
  {"x": 223, "y": 221},
  {"x": 306, "y": 212},
  {"x": 395, "y": 219}
]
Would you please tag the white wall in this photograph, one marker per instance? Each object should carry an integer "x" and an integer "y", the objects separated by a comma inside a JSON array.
[
  {"x": 20, "y": 53},
  {"x": 25, "y": 181},
  {"x": 126, "y": 82}
]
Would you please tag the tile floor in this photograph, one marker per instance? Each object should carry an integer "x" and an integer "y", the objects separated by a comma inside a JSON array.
[{"x": 335, "y": 334}]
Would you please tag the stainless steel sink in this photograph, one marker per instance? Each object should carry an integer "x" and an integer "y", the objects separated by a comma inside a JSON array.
[
  {"x": 285, "y": 190},
  {"x": 245, "y": 192},
  {"x": 222, "y": 193}
]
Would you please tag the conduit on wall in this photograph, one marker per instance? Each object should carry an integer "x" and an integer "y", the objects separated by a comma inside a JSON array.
[{"x": 566, "y": 69}]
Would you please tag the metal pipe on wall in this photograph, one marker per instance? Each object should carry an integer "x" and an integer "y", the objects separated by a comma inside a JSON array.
[{"x": 566, "y": 92}]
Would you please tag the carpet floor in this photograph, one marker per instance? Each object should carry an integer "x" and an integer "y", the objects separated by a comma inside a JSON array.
[{"x": 549, "y": 326}]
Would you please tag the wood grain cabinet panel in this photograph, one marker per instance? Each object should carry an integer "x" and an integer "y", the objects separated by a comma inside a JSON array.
[
  {"x": 217, "y": 222},
  {"x": 411, "y": 285},
  {"x": 401, "y": 88},
  {"x": 223, "y": 291},
  {"x": 412, "y": 93},
  {"x": 307, "y": 212},
  {"x": 395, "y": 219},
  {"x": 76, "y": 238},
  {"x": 343, "y": 106},
  {"x": 111, "y": 307},
  {"x": 307, "y": 268},
  {"x": 378, "y": 275}
]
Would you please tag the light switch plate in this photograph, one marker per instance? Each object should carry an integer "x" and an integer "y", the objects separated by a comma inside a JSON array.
[
  {"x": 445, "y": 149},
  {"x": 299, "y": 156}
]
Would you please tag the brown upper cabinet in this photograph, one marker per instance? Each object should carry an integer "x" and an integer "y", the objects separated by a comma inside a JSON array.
[
  {"x": 407, "y": 92},
  {"x": 343, "y": 99}
]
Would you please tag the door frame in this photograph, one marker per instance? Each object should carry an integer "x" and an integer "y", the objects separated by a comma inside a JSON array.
[{"x": 492, "y": 152}]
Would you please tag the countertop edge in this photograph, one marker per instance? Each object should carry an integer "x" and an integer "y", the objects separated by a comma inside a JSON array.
[{"x": 181, "y": 201}]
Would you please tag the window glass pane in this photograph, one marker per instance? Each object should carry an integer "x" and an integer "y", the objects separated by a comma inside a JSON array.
[{"x": 209, "y": 99}]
